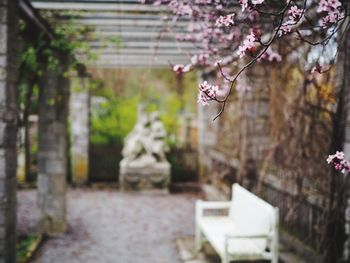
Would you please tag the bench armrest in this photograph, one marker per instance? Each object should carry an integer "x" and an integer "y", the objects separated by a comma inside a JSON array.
[{"x": 201, "y": 206}]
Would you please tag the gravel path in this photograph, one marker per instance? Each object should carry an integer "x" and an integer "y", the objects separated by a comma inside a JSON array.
[{"x": 106, "y": 226}]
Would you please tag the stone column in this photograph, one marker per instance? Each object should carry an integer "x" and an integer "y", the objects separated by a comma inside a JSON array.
[
  {"x": 8, "y": 129},
  {"x": 52, "y": 152},
  {"x": 80, "y": 124}
]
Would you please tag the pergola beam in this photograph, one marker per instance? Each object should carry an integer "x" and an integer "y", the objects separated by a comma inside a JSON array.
[
  {"x": 113, "y": 29},
  {"x": 78, "y": 5},
  {"x": 146, "y": 40},
  {"x": 31, "y": 15},
  {"x": 140, "y": 51},
  {"x": 146, "y": 44},
  {"x": 132, "y": 35},
  {"x": 124, "y": 22}
]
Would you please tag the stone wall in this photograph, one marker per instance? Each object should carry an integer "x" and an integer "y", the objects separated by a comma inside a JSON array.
[
  {"x": 52, "y": 152},
  {"x": 8, "y": 129}
]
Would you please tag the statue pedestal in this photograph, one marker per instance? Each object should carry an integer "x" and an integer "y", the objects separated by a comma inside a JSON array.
[{"x": 139, "y": 176}]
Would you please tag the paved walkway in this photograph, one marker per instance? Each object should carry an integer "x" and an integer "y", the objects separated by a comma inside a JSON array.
[{"x": 106, "y": 226}]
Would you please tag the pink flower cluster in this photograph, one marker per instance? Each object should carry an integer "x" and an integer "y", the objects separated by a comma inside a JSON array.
[
  {"x": 248, "y": 45},
  {"x": 198, "y": 59},
  {"x": 332, "y": 10},
  {"x": 225, "y": 20},
  {"x": 245, "y": 3},
  {"x": 295, "y": 14},
  {"x": 285, "y": 29},
  {"x": 180, "y": 69},
  {"x": 207, "y": 93},
  {"x": 338, "y": 161}
]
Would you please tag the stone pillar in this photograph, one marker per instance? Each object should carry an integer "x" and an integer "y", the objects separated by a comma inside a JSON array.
[
  {"x": 52, "y": 152},
  {"x": 8, "y": 129},
  {"x": 80, "y": 124}
]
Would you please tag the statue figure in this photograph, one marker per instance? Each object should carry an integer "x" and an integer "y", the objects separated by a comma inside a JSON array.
[{"x": 137, "y": 144}]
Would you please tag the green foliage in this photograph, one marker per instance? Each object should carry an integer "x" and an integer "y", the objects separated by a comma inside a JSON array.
[
  {"x": 113, "y": 120},
  {"x": 116, "y": 117},
  {"x": 25, "y": 247},
  {"x": 155, "y": 88}
]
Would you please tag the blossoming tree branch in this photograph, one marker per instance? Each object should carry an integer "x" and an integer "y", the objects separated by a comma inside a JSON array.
[{"x": 225, "y": 31}]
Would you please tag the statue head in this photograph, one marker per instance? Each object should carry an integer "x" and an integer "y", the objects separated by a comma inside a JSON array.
[{"x": 154, "y": 116}]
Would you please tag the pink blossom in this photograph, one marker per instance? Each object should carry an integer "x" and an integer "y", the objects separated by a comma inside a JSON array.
[
  {"x": 328, "y": 5},
  {"x": 257, "y": 2},
  {"x": 331, "y": 9},
  {"x": 338, "y": 161},
  {"x": 207, "y": 93},
  {"x": 285, "y": 29},
  {"x": 248, "y": 45},
  {"x": 332, "y": 18},
  {"x": 180, "y": 8},
  {"x": 225, "y": 20},
  {"x": 295, "y": 13},
  {"x": 180, "y": 69},
  {"x": 244, "y": 4}
]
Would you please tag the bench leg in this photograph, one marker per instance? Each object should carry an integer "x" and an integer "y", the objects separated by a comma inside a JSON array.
[
  {"x": 274, "y": 259},
  {"x": 224, "y": 259},
  {"x": 198, "y": 239}
]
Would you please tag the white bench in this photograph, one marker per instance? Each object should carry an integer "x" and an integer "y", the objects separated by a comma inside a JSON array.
[{"x": 249, "y": 232}]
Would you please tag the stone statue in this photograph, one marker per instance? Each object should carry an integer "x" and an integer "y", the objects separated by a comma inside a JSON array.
[{"x": 144, "y": 164}]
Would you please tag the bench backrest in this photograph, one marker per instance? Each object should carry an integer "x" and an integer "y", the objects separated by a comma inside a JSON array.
[{"x": 251, "y": 214}]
